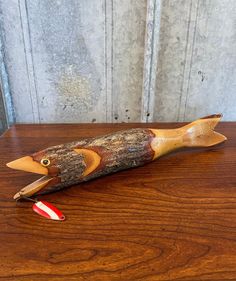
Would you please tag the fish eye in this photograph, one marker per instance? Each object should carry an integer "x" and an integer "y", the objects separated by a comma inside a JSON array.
[{"x": 45, "y": 162}]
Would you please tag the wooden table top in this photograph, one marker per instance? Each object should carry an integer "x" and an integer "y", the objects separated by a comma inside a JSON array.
[{"x": 173, "y": 219}]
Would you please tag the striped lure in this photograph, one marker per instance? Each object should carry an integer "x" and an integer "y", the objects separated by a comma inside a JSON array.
[{"x": 48, "y": 211}]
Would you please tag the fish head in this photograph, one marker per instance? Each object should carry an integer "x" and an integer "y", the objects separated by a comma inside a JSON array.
[{"x": 60, "y": 166}]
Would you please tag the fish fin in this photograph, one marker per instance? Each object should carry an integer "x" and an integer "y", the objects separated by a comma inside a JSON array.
[
  {"x": 92, "y": 159},
  {"x": 201, "y": 132}
]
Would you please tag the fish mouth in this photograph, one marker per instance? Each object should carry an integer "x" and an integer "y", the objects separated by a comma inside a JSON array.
[{"x": 28, "y": 164}]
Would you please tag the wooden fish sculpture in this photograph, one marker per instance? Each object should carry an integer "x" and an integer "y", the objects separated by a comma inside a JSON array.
[{"x": 86, "y": 159}]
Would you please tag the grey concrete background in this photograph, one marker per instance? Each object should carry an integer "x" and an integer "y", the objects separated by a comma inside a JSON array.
[{"x": 118, "y": 61}]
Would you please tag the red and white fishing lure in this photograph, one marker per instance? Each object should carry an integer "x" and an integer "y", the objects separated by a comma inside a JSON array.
[{"x": 48, "y": 211}]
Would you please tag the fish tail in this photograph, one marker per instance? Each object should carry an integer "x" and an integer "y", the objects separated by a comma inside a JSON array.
[{"x": 201, "y": 132}]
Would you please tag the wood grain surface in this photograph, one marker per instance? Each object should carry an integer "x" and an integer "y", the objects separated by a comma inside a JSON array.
[{"x": 173, "y": 219}]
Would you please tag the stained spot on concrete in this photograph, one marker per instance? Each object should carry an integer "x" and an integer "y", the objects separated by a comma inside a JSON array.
[
  {"x": 73, "y": 86},
  {"x": 77, "y": 90},
  {"x": 202, "y": 74},
  {"x": 94, "y": 120},
  {"x": 70, "y": 65}
]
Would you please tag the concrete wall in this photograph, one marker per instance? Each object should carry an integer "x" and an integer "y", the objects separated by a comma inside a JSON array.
[{"x": 119, "y": 61}]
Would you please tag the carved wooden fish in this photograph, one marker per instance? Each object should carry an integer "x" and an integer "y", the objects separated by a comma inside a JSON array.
[{"x": 86, "y": 159}]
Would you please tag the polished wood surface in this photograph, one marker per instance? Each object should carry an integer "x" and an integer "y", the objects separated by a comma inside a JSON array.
[{"x": 173, "y": 219}]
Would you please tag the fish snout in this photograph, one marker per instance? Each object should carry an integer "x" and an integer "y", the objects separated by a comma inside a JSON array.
[{"x": 28, "y": 164}]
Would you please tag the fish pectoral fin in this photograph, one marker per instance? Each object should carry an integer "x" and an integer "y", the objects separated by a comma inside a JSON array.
[{"x": 92, "y": 159}]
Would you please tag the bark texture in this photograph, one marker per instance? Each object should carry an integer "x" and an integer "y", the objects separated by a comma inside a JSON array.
[{"x": 118, "y": 151}]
